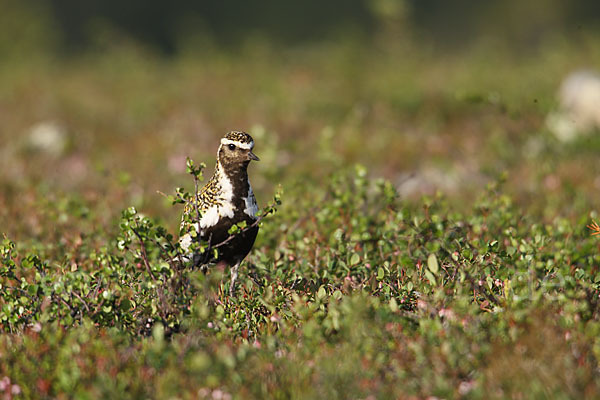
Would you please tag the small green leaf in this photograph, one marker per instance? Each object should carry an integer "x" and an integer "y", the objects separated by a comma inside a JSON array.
[
  {"x": 432, "y": 264},
  {"x": 393, "y": 305},
  {"x": 430, "y": 278},
  {"x": 321, "y": 293}
]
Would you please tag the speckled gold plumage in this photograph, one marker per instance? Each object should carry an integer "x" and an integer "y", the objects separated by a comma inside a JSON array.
[
  {"x": 239, "y": 136},
  {"x": 226, "y": 199},
  {"x": 207, "y": 197}
]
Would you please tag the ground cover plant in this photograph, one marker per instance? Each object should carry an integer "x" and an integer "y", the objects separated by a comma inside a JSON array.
[
  {"x": 425, "y": 234},
  {"x": 364, "y": 297}
]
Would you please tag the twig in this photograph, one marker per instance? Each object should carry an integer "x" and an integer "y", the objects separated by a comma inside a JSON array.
[
  {"x": 165, "y": 254},
  {"x": 231, "y": 237},
  {"x": 490, "y": 296},
  {"x": 206, "y": 253},
  {"x": 97, "y": 288},
  {"x": 167, "y": 196},
  {"x": 196, "y": 203},
  {"x": 144, "y": 254},
  {"x": 83, "y": 301}
]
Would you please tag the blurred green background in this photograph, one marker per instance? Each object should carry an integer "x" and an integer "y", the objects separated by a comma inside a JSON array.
[
  {"x": 105, "y": 99},
  {"x": 75, "y": 25}
]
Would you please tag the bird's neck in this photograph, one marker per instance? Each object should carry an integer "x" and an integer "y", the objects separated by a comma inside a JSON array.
[{"x": 237, "y": 175}]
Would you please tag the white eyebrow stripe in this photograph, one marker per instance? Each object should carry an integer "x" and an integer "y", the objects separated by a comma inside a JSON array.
[{"x": 241, "y": 145}]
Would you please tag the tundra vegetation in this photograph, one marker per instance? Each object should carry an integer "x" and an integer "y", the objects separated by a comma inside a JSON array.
[{"x": 425, "y": 234}]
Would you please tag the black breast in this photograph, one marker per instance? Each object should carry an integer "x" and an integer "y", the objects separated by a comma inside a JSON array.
[{"x": 236, "y": 249}]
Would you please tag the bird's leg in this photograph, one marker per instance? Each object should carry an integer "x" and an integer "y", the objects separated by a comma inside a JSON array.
[{"x": 234, "y": 275}]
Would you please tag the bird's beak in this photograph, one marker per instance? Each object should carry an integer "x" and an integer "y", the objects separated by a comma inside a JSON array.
[{"x": 253, "y": 156}]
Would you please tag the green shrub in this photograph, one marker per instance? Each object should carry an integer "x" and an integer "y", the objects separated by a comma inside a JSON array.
[{"x": 349, "y": 293}]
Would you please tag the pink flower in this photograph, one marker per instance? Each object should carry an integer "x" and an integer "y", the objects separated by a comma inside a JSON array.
[{"x": 4, "y": 383}]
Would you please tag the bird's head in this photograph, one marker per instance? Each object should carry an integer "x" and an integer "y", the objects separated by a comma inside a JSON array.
[{"x": 235, "y": 150}]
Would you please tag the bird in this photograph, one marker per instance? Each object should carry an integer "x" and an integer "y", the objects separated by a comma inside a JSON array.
[{"x": 227, "y": 199}]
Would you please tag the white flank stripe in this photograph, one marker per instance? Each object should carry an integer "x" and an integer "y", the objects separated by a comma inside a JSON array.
[
  {"x": 185, "y": 242},
  {"x": 225, "y": 197},
  {"x": 225, "y": 185},
  {"x": 250, "y": 202},
  {"x": 210, "y": 217},
  {"x": 241, "y": 145}
]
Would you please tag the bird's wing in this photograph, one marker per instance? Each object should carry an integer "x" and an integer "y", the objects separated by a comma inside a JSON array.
[{"x": 207, "y": 197}]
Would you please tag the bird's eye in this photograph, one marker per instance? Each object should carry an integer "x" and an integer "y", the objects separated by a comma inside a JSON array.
[{"x": 231, "y": 147}]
